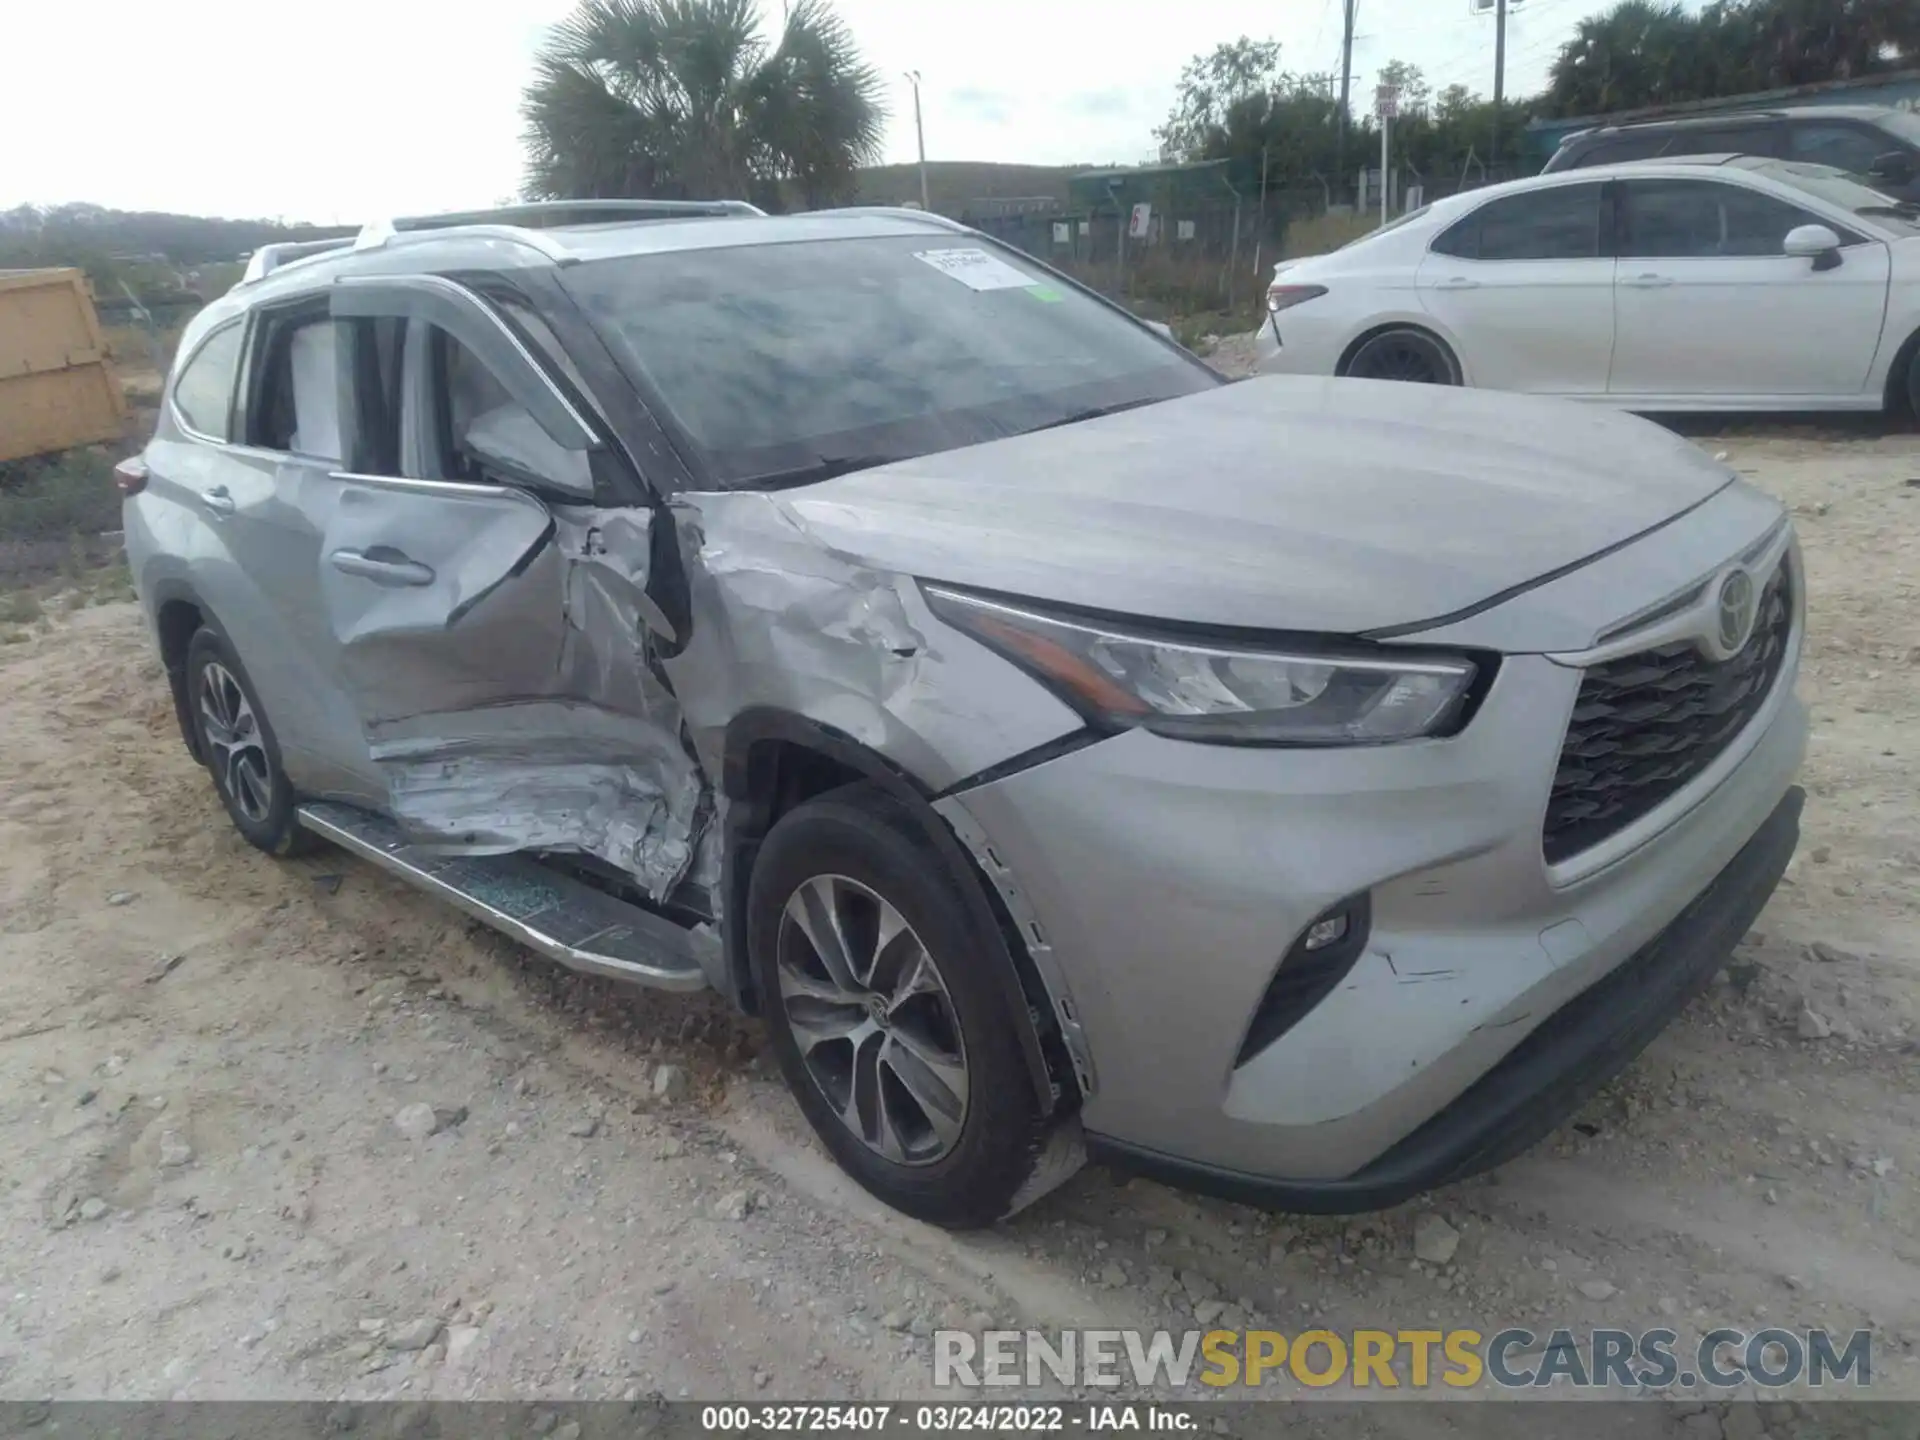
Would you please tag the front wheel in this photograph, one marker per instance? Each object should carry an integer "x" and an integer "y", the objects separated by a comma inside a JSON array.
[
  {"x": 239, "y": 748},
  {"x": 1408, "y": 355},
  {"x": 889, "y": 1023}
]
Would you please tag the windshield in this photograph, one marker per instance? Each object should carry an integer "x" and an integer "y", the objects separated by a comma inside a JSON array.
[
  {"x": 1903, "y": 123},
  {"x": 788, "y": 363},
  {"x": 1837, "y": 187}
]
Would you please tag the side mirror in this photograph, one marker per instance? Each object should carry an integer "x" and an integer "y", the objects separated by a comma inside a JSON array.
[
  {"x": 508, "y": 439},
  {"x": 1161, "y": 328},
  {"x": 1896, "y": 166},
  {"x": 1813, "y": 242}
]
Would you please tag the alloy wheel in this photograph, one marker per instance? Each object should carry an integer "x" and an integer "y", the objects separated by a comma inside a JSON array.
[
  {"x": 239, "y": 752},
  {"x": 873, "y": 1020},
  {"x": 1401, "y": 357}
]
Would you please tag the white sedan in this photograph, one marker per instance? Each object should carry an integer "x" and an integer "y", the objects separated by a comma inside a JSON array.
[{"x": 1699, "y": 283}]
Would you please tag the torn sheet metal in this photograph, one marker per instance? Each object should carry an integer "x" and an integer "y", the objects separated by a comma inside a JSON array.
[
  {"x": 559, "y": 737},
  {"x": 547, "y": 775},
  {"x": 781, "y": 620}
]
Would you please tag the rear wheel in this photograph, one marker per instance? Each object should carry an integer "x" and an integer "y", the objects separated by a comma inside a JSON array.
[
  {"x": 888, "y": 1022},
  {"x": 1913, "y": 380},
  {"x": 239, "y": 748},
  {"x": 1404, "y": 354}
]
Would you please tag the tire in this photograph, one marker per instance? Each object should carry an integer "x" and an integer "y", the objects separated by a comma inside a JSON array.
[
  {"x": 1406, "y": 354},
  {"x": 1911, "y": 390},
  {"x": 239, "y": 747},
  {"x": 859, "y": 856}
]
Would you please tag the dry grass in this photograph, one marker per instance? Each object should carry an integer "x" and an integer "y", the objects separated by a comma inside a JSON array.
[{"x": 1325, "y": 232}]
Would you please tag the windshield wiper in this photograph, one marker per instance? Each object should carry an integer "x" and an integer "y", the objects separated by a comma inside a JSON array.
[
  {"x": 824, "y": 467},
  {"x": 1094, "y": 412}
]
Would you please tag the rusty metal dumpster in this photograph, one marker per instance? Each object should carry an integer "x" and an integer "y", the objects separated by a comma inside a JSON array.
[{"x": 56, "y": 389}]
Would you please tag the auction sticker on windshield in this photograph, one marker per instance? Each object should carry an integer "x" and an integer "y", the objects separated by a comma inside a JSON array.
[{"x": 976, "y": 269}]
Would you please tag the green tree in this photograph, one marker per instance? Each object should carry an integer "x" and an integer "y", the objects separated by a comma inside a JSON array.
[
  {"x": 689, "y": 99},
  {"x": 1233, "y": 80},
  {"x": 1651, "y": 52}
]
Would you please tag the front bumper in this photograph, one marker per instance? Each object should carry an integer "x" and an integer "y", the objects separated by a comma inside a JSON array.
[
  {"x": 1159, "y": 883},
  {"x": 1544, "y": 1078}
]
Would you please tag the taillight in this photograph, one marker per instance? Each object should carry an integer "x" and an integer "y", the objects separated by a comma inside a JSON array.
[
  {"x": 130, "y": 475},
  {"x": 1282, "y": 297}
]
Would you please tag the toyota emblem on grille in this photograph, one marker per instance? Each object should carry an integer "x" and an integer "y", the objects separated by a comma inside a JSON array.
[{"x": 1735, "y": 611}]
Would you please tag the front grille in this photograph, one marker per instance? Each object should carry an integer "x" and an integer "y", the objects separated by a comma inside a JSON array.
[{"x": 1645, "y": 725}]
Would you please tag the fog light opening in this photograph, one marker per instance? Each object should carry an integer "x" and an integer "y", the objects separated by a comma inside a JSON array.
[{"x": 1320, "y": 957}]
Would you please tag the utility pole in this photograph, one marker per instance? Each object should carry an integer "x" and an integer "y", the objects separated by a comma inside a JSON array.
[
  {"x": 920, "y": 135},
  {"x": 1499, "y": 73},
  {"x": 1350, "y": 7}
]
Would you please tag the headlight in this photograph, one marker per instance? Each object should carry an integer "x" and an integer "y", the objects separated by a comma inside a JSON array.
[{"x": 1193, "y": 690}]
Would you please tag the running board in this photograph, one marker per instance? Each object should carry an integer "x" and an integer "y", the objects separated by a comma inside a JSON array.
[{"x": 574, "y": 924}]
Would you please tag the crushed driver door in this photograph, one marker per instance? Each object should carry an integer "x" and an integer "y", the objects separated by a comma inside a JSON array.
[
  {"x": 437, "y": 569},
  {"x": 486, "y": 612}
]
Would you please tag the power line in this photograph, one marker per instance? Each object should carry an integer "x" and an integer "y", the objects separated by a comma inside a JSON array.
[{"x": 1319, "y": 27}]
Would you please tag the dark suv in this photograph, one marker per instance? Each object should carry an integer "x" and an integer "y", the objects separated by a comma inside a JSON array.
[{"x": 1877, "y": 142}]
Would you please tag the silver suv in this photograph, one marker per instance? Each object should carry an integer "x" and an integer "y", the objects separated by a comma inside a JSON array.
[{"x": 1301, "y": 789}]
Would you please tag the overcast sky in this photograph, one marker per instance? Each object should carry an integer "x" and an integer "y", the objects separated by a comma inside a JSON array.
[{"x": 352, "y": 109}]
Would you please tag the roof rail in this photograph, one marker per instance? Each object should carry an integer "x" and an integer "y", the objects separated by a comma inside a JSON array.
[
  {"x": 890, "y": 212},
  {"x": 1701, "y": 118},
  {"x": 269, "y": 258},
  {"x": 508, "y": 222},
  {"x": 544, "y": 214}
]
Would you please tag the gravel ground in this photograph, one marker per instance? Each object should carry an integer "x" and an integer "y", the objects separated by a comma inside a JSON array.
[{"x": 288, "y": 1129}]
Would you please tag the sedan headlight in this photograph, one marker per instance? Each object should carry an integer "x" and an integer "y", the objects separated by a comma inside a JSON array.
[{"x": 1191, "y": 689}]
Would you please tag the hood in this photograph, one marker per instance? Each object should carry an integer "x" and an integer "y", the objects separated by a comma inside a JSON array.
[{"x": 1278, "y": 503}]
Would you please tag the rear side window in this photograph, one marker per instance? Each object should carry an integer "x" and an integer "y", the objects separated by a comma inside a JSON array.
[
  {"x": 203, "y": 390},
  {"x": 1627, "y": 147},
  {"x": 1846, "y": 147},
  {"x": 297, "y": 405},
  {"x": 1730, "y": 140},
  {"x": 1562, "y": 223}
]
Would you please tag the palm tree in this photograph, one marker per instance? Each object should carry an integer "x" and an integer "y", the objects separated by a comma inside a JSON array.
[
  {"x": 686, "y": 99},
  {"x": 1641, "y": 52}
]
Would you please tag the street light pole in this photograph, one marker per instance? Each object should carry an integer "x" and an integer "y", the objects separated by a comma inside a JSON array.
[
  {"x": 1499, "y": 75},
  {"x": 1346, "y": 76},
  {"x": 920, "y": 135}
]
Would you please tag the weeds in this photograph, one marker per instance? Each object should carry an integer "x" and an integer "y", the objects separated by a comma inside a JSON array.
[
  {"x": 19, "y": 607},
  {"x": 65, "y": 495},
  {"x": 1321, "y": 233}
]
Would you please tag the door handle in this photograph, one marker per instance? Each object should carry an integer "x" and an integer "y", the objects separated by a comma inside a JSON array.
[
  {"x": 382, "y": 566},
  {"x": 218, "y": 501},
  {"x": 1456, "y": 282},
  {"x": 1648, "y": 281}
]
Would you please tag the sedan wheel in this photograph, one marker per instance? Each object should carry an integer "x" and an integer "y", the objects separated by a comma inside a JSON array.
[
  {"x": 1406, "y": 355},
  {"x": 873, "y": 1020}
]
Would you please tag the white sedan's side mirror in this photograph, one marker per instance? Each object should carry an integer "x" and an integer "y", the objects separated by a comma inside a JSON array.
[
  {"x": 1165, "y": 331},
  {"x": 1813, "y": 242}
]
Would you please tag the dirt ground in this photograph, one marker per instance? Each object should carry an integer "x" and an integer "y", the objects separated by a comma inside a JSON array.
[{"x": 203, "y": 1053}]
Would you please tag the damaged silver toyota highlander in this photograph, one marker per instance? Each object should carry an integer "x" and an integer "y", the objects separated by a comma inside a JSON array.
[{"x": 1305, "y": 790}]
